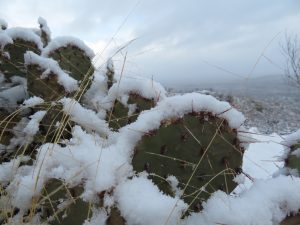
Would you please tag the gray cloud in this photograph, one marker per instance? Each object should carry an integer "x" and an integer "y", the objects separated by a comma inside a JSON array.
[{"x": 176, "y": 39}]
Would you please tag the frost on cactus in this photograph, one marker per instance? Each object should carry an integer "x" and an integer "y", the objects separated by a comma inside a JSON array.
[{"x": 12, "y": 57}]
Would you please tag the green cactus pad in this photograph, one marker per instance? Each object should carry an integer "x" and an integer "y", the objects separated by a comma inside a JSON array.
[
  {"x": 118, "y": 117},
  {"x": 77, "y": 211},
  {"x": 115, "y": 218},
  {"x": 176, "y": 148},
  {"x": 48, "y": 88},
  {"x": 49, "y": 131},
  {"x": 73, "y": 60},
  {"x": 15, "y": 64}
]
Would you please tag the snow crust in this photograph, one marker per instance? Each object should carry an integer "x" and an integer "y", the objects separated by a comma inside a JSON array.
[
  {"x": 25, "y": 34},
  {"x": 64, "y": 41},
  {"x": 50, "y": 65}
]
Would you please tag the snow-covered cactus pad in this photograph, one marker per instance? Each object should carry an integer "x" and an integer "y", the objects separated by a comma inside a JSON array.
[
  {"x": 74, "y": 57},
  {"x": 14, "y": 42},
  {"x": 191, "y": 154},
  {"x": 127, "y": 98}
]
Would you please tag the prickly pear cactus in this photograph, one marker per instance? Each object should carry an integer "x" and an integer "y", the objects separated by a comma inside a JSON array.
[
  {"x": 54, "y": 126},
  {"x": 64, "y": 205},
  {"x": 200, "y": 150},
  {"x": 47, "y": 88},
  {"x": 12, "y": 62},
  {"x": 121, "y": 115},
  {"x": 71, "y": 57}
]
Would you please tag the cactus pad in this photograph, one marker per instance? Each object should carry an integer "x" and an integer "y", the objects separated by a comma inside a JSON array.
[
  {"x": 73, "y": 60},
  {"x": 77, "y": 211},
  {"x": 14, "y": 65},
  {"x": 119, "y": 117},
  {"x": 176, "y": 148},
  {"x": 47, "y": 88}
]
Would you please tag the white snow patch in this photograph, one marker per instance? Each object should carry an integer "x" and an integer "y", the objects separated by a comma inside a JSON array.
[
  {"x": 146, "y": 88},
  {"x": 5, "y": 39},
  {"x": 296, "y": 152},
  {"x": 141, "y": 202},
  {"x": 85, "y": 117},
  {"x": 268, "y": 202},
  {"x": 50, "y": 65},
  {"x": 83, "y": 158},
  {"x": 32, "y": 101},
  {"x": 12, "y": 96},
  {"x": 44, "y": 26},
  {"x": 25, "y": 34},
  {"x": 261, "y": 159},
  {"x": 64, "y": 41}
]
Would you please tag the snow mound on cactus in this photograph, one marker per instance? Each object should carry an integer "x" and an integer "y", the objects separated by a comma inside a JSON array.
[
  {"x": 4, "y": 40},
  {"x": 50, "y": 65},
  {"x": 64, "y": 41},
  {"x": 176, "y": 107},
  {"x": 292, "y": 139},
  {"x": 141, "y": 202},
  {"x": 121, "y": 90},
  {"x": 84, "y": 117},
  {"x": 26, "y": 34},
  {"x": 44, "y": 26}
]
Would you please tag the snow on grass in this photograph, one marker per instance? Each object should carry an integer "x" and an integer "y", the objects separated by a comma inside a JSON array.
[
  {"x": 32, "y": 101},
  {"x": 85, "y": 117}
]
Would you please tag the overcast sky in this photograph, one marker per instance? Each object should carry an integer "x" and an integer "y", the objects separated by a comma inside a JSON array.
[{"x": 183, "y": 42}]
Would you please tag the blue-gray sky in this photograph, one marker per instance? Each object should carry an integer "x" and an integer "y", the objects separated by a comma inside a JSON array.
[{"x": 180, "y": 42}]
